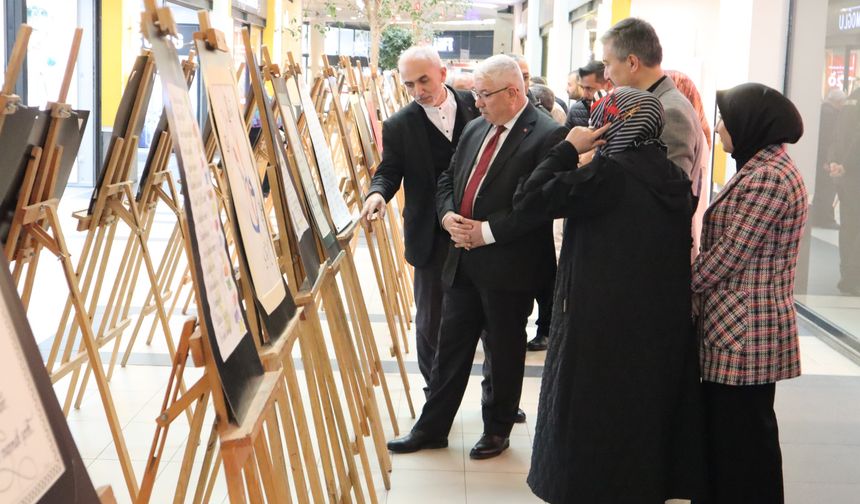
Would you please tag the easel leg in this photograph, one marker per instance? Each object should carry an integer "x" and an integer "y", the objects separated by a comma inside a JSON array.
[{"x": 95, "y": 360}]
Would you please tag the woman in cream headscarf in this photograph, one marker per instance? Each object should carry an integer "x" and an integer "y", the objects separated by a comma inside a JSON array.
[{"x": 619, "y": 417}]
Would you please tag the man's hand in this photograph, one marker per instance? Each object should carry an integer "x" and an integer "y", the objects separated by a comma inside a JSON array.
[
  {"x": 836, "y": 170},
  {"x": 468, "y": 234},
  {"x": 585, "y": 139},
  {"x": 374, "y": 207},
  {"x": 465, "y": 233}
]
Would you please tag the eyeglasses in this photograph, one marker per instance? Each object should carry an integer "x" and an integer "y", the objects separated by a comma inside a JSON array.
[{"x": 486, "y": 94}]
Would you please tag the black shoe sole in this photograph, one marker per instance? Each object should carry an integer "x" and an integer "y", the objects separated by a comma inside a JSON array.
[
  {"x": 540, "y": 348},
  {"x": 426, "y": 446}
]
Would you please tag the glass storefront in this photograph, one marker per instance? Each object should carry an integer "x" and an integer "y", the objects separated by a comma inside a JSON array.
[
  {"x": 822, "y": 80},
  {"x": 53, "y": 23}
]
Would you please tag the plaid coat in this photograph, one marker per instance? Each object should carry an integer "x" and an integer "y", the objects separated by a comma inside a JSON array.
[{"x": 745, "y": 273}]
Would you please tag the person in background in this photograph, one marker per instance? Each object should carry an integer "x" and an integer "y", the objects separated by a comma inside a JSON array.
[
  {"x": 418, "y": 142},
  {"x": 619, "y": 418},
  {"x": 558, "y": 101},
  {"x": 593, "y": 85},
  {"x": 574, "y": 90},
  {"x": 687, "y": 87},
  {"x": 744, "y": 280},
  {"x": 845, "y": 170},
  {"x": 544, "y": 295},
  {"x": 547, "y": 98},
  {"x": 821, "y": 212},
  {"x": 463, "y": 81},
  {"x": 632, "y": 55}
]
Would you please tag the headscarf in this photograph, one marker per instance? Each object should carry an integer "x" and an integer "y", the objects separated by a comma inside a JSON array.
[
  {"x": 636, "y": 117},
  {"x": 757, "y": 116},
  {"x": 688, "y": 88}
]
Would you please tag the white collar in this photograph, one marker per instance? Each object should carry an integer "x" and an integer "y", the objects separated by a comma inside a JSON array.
[{"x": 449, "y": 100}]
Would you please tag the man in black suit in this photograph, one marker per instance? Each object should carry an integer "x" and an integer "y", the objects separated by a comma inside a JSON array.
[
  {"x": 497, "y": 261},
  {"x": 418, "y": 142}
]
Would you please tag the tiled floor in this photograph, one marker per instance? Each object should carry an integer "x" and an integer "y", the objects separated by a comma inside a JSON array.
[{"x": 819, "y": 419}]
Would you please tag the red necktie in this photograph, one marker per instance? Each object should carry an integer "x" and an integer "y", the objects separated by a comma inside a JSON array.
[{"x": 478, "y": 175}]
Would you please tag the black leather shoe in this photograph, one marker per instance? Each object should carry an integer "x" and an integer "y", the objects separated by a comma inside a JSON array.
[
  {"x": 414, "y": 441},
  {"x": 489, "y": 446},
  {"x": 521, "y": 416},
  {"x": 538, "y": 343}
]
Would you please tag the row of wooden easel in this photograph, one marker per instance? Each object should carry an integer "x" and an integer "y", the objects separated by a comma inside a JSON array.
[{"x": 314, "y": 171}]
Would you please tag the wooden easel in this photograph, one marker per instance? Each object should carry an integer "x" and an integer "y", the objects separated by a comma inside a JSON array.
[
  {"x": 252, "y": 451},
  {"x": 36, "y": 225},
  {"x": 159, "y": 186},
  {"x": 358, "y": 306},
  {"x": 354, "y": 359},
  {"x": 245, "y": 445},
  {"x": 364, "y": 165},
  {"x": 362, "y": 332},
  {"x": 114, "y": 204},
  {"x": 8, "y": 100},
  {"x": 371, "y": 132},
  {"x": 380, "y": 249}
]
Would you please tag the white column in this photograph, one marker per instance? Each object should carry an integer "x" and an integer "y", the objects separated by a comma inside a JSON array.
[
  {"x": 533, "y": 49},
  {"x": 316, "y": 51},
  {"x": 559, "y": 50}
]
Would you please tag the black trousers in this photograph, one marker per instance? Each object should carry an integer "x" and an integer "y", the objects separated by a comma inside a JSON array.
[
  {"x": 428, "y": 291},
  {"x": 544, "y": 302},
  {"x": 467, "y": 311},
  {"x": 743, "y": 458}
]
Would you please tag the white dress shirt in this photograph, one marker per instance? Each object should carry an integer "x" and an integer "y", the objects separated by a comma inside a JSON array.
[
  {"x": 444, "y": 116},
  {"x": 486, "y": 232}
]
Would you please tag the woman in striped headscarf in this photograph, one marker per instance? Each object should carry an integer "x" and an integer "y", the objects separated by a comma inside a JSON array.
[{"x": 619, "y": 416}]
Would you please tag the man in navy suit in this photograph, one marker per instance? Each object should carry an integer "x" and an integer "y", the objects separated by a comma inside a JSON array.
[{"x": 497, "y": 260}]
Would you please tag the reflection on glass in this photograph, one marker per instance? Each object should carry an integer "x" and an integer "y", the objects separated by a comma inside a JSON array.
[{"x": 832, "y": 286}]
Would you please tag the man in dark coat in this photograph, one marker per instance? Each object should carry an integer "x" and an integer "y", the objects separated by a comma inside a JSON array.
[
  {"x": 594, "y": 85},
  {"x": 496, "y": 263},
  {"x": 619, "y": 415},
  {"x": 418, "y": 142}
]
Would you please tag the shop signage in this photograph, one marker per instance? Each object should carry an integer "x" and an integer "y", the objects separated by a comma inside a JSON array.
[{"x": 849, "y": 18}]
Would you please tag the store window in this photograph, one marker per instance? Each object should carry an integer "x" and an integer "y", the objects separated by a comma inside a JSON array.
[
  {"x": 54, "y": 23},
  {"x": 823, "y": 81}
]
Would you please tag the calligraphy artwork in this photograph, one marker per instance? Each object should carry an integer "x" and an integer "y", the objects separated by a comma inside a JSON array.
[
  {"x": 339, "y": 211},
  {"x": 30, "y": 461},
  {"x": 247, "y": 196}
]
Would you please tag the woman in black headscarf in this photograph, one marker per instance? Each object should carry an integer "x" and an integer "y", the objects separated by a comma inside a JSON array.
[
  {"x": 744, "y": 279},
  {"x": 618, "y": 415}
]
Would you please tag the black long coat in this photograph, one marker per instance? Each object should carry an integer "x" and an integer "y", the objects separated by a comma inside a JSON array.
[{"x": 618, "y": 420}]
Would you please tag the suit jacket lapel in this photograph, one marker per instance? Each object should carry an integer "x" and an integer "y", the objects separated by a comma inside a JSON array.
[
  {"x": 469, "y": 157},
  {"x": 519, "y": 131}
]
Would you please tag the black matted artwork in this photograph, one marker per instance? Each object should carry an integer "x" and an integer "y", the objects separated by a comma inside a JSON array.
[
  {"x": 40, "y": 461},
  {"x": 23, "y": 130},
  {"x": 272, "y": 297},
  {"x": 160, "y": 128},
  {"x": 338, "y": 209},
  {"x": 121, "y": 127},
  {"x": 294, "y": 140},
  {"x": 307, "y": 246},
  {"x": 233, "y": 349}
]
